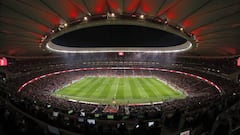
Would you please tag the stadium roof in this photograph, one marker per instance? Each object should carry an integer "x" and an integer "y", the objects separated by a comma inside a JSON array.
[{"x": 215, "y": 24}]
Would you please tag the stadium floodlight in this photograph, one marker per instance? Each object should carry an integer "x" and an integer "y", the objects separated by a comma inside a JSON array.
[
  {"x": 85, "y": 18},
  {"x": 111, "y": 15},
  {"x": 141, "y": 16},
  {"x": 59, "y": 28},
  {"x": 181, "y": 29},
  {"x": 120, "y": 53},
  {"x": 44, "y": 38},
  {"x": 165, "y": 22},
  {"x": 62, "y": 26}
]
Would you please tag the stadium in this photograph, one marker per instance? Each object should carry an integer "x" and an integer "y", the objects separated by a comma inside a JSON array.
[{"x": 119, "y": 67}]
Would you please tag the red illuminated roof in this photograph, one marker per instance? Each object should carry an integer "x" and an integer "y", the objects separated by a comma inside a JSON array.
[{"x": 215, "y": 23}]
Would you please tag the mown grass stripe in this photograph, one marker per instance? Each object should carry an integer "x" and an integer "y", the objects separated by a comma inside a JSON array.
[
  {"x": 116, "y": 88},
  {"x": 127, "y": 88},
  {"x": 105, "y": 93},
  {"x": 78, "y": 87},
  {"x": 100, "y": 89},
  {"x": 169, "y": 91},
  {"x": 112, "y": 88},
  {"x": 151, "y": 84},
  {"x": 140, "y": 88},
  {"x": 82, "y": 89},
  {"x": 134, "y": 90},
  {"x": 159, "y": 86},
  {"x": 120, "y": 89},
  {"x": 148, "y": 88},
  {"x": 92, "y": 87}
]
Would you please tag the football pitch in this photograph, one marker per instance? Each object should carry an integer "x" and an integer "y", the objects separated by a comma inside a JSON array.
[{"x": 119, "y": 90}]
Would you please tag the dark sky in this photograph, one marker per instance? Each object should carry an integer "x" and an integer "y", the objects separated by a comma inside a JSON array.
[{"x": 118, "y": 36}]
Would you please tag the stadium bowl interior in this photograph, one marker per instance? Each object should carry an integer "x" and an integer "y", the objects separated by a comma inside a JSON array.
[{"x": 119, "y": 67}]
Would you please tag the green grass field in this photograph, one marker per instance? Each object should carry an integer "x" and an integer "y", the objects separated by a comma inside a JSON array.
[{"x": 123, "y": 90}]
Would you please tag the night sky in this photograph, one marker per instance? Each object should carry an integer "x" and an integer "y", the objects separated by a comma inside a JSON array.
[{"x": 118, "y": 36}]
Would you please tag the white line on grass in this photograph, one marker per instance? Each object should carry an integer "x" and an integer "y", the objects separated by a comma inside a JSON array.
[{"x": 116, "y": 88}]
